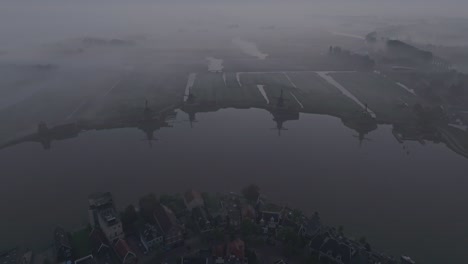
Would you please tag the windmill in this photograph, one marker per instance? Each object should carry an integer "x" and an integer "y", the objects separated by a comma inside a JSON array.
[{"x": 279, "y": 126}]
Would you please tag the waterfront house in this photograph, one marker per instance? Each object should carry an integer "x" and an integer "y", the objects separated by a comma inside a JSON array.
[
  {"x": 165, "y": 219},
  {"x": 122, "y": 250},
  {"x": 63, "y": 248},
  {"x": 193, "y": 199},
  {"x": 102, "y": 214}
]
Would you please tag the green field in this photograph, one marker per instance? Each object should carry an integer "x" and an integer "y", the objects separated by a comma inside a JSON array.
[{"x": 382, "y": 95}]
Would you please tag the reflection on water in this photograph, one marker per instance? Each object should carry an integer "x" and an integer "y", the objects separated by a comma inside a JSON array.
[{"x": 228, "y": 148}]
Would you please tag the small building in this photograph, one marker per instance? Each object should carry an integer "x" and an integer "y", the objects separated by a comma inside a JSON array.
[
  {"x": 63, "y": 248},
  {"x": 102, "y": 214},
  {"x": 167, "y": 223},
  {"x": 150, "y": 236},
  {"x": 193, "y": 199},
  {"x": 122, "y": 250}
]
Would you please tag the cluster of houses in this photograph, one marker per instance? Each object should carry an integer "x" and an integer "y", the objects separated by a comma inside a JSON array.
[{"x": 105, "y": 241}]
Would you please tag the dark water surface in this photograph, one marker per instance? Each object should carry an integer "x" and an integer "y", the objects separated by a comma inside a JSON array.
[{"x": 403, "y": 203}]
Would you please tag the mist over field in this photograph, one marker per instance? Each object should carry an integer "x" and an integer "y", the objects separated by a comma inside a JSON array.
[{"x": 357, "y": 109}]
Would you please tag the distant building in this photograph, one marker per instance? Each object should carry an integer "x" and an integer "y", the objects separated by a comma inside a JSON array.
[
  {"x": 150, "y": 236},
  {"x": 63, "y": 248},
  {"x": 193, "y": 199},
  {"x": 124, "y": 253},
  {"x": 167, "y": 223},
  {"x": 103, "y": 214}
]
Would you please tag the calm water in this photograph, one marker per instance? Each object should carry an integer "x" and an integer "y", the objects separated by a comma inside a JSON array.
[{"x": 403, "y": 203}]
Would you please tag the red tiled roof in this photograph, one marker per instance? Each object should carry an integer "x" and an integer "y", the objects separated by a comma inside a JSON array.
[
  {"x": 237, "y": 248},
  {"x": 165, "y": 218},
  {"x": 121, "y": 248},
  {"x": 97, "y": 239}
]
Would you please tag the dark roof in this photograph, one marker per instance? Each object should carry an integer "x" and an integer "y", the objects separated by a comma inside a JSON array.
[
  {"x": 61, "y": 238},
  {"x": 337, "y": 249},
  {"x": 164, "y": 217}
]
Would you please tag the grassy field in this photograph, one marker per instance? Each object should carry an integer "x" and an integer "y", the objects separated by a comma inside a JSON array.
[
  {"x": 382, "y": 95},
  {"x": 318, "y": 96}
]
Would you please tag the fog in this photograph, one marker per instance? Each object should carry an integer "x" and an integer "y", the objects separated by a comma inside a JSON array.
[{"x": 304, "y": 98}]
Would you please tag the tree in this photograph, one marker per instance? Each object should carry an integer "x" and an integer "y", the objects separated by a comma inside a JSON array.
[
  {"x": 129, "y": 217},
  {"x": 251, "y": 192},
  {"x": 147, "y": 205}
]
